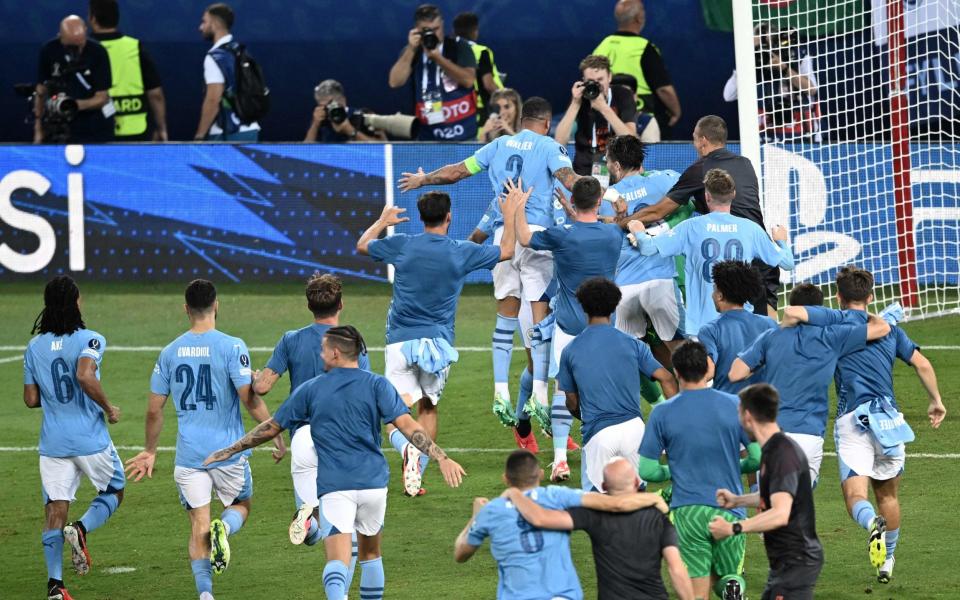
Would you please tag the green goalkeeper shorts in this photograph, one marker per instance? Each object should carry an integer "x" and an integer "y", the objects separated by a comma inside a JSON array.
[{"x": 701, "y": 553}]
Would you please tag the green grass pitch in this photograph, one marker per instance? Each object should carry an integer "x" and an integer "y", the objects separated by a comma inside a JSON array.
[{"x": 141, "y": 552}]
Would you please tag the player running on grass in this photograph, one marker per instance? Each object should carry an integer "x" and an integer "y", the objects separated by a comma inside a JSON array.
[
  {"x": 208, "y": 374},
  {"x": 345, "y": 407},
  {"x": 870, "y": 431},
  {"x": 61, "y": 375},
  {"x": 537, "y": 159},
  {"x": 430, "y": 270},
  {"x": 700, "y": 431},
  {"x": 298, "y": 352}
]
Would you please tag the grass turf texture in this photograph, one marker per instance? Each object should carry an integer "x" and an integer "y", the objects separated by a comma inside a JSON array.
[{"x": 150, "y": 530}]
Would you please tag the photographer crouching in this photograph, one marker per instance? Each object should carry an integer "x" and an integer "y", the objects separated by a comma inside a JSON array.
[
  {"x": 335, "y": 121},
  {"x": 600, "y": 112},
  {"x": 71, "y": 103}
]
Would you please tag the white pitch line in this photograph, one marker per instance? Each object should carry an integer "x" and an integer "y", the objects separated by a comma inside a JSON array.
[
  {"x": 933, "y": 455},
  {"x": 371, "y": 349},
  {"x": 11, "y": 359}
]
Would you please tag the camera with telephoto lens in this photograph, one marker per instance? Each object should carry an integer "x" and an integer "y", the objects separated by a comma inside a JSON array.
[
  {"x": 591, "y": 89},
  {"x": 59, "y": 109},
  {"x": 336, "y": 113},
  {"x": 428, "y": 38}
]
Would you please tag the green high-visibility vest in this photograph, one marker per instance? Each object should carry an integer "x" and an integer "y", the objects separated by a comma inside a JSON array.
[
  {"x": 624, "y": 52},
  {"x": 127, "y": 90},
  {"x": 479, "y": 49}
]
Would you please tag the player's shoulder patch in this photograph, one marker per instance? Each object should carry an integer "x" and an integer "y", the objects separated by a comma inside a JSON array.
[
  {"x": 563, "y": 149},
  {"x": 244, "y": 360},
  {"x": 94, "y": 344}
]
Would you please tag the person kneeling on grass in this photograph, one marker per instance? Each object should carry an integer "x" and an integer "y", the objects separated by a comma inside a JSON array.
[{"x": 345, "y": 407}]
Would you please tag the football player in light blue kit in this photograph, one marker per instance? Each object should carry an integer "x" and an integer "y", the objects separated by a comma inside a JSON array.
[
  {"x": 537, "y": 159},
  {"x": 345, "y": 407},
  {"x": 430, "y": 269},
  {"x": 646, "y": 282},
  {"x": 61, "y": 376},
  {"x": 700, "y": 431},
  {"x": 534, "y": 564},
  {"x": 799, "y": 362},
  {"x": 298, "y": 352},
  {"x": 709, "y": 238},
  {"x": 584, "y": 249},
  {"x": 864, "y": 382},
  {"x": 734, "y": 284},
  {"x": 207, "y": 373}
]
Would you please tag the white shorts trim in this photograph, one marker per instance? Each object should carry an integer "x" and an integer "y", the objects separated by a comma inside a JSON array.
[
  {"x": 409, "y": 379},
  {"x": 560, "y": 340},
  {"x": 657, "y": 301},
  {"x": 232, "y": 483},
  {"x": 859, "y": 453},
  {"x": 303, "y": 467},
  {"x": 60, "y": 477},
  {"x": 349, "y": 511},
  {"x": 622, "y": 440},
  {"x": 812, "y": 446}
]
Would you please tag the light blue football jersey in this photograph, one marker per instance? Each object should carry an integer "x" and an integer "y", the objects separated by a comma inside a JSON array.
[
  {"x": 534, "y": 564},
  {"x": 73, "y": 424},
  {"x": 202, "y": 373},
  {"x": 529, "y": 156}
]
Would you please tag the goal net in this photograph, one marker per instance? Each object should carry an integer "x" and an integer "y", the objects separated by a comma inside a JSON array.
[{"x": 850, "y": 110}]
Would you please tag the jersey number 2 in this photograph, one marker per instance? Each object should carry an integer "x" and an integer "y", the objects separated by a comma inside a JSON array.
[{"x": 200, "y": 386}]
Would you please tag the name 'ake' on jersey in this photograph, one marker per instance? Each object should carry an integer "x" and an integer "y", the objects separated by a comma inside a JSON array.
[
  {"x": 73, "y": 424},
  {"x": 202, "y": 373}
]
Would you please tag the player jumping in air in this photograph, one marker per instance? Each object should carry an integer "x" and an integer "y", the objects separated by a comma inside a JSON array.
[
  {"x": 61, "y": 376},
  {"x": 208, "y": 374},
  {"x": 537, "y": 159}
]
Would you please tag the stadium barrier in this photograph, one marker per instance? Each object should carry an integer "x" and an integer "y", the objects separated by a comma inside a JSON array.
[{"x": 264, "y": 212}]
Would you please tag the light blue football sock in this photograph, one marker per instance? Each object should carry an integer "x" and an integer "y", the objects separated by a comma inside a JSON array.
[
  {"x": 53, "y": 553},
  {"x": 233, "y": 519},
  {"x": 202, "y": 575},
  {"x": 526, "y": 389},
  {"x": 100, "y": 510},
  {"x": 313, "y": 532},
  {"x": 424, "y": 461},
  {"x": 560, "y": 422},
  {"x": 352, "y": 568},
  {"x": 891, "y": 538},
  {"x": 503, "y": 348},
  {"x": 371, "y": 579},
  {"x": 335, "y": 580},
  {"x": 398, "y": 441},
  {"x": 541, "y": 362},
  {"x": 863, "y": 513}
]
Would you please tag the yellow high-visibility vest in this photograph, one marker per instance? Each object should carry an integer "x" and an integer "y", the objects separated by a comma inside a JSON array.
[
  {"x": 127, "y": 90},
  {"x": 624, "y": 52},
  {"x": 479, "y": 49}
]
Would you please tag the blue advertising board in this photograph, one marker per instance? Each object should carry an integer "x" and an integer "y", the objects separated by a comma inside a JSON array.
[{"x": 266, "y": 212}]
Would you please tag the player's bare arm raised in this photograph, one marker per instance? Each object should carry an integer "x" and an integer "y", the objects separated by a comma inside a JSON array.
[
  {"x": 445, "y": 175},
  {"x": 388, "y": 218}
]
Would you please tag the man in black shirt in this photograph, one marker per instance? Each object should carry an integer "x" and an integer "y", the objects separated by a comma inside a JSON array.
[
  {"x": 710, "y": 141},
  {"x": 785, "y": 500},
  {"x": 82, "y": 68},
  {"x": 627, "y": 547},
  {"x": 611, "y": 113}
]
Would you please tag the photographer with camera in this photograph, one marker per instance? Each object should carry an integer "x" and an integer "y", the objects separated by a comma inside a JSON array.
[
  {"x": 334, "y": 120},
  {"x": 600, "y": 111},
  {"x": 71, "y": 103},
  {"x": 504, "y": 115},
  {"x": 443, "y": 73},
  {"x": 786, "y": 86}
]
